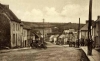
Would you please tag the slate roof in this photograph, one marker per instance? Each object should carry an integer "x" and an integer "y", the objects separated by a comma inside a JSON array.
[{"x": 5, "y": 9}]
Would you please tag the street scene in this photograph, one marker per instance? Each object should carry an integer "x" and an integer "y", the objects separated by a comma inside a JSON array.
[
  {"x": 49, "y": 30},
  {"x": 53, "y": 53}
]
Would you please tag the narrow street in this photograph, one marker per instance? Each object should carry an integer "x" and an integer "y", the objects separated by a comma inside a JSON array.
[{"x": 52, "y": 53}]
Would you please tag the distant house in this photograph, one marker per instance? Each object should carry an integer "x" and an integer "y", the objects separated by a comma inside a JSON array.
[
  {"x": 70, "y": 36},
  {"x": 51, "y": 38},
  {"x": 46, "y": 30},
  {"x": 66, "y": 31},
  {"x": 26, "y": 36},
  {"x": 21, "y": 34},
  {"x": 9, "y": 28},
  {"x": 66, "y": 38},
  {"x": 55, "y": 38},
  {"x": 84, "y": 31},
  {"x": 96, "y": 32},
  {"x": 75, "y": 35},
  {"x": 61, "y": 39},
  {"x": 71, "y": 30}
]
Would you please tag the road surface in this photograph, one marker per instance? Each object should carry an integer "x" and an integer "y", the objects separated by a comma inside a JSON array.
[{"x": 52, "y": 53}]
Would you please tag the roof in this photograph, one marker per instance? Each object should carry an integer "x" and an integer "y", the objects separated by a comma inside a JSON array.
[
  {"x": 51, "y": 36},
  {"x": 85, "y": 27},
  {"x": 98, "y": 20},
  {"x": 37, "y": 35},
  {"x": 21, "y": 24},
  {"x": 26, "y": 27},
  {"x": 71, "y": 30},
  {"x": 55, "y": 36},
  {"x": 5, "y": 9},
  {"x": 62, "y": 36},
  {"x": 66, "y": 31}
]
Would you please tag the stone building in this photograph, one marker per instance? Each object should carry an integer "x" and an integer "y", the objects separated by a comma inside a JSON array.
[
  {"x": 26, "y": 36},
  {"x": 9, "y": 28},
  {"x": 96, "y": 32},
  {"x": 84, "y": 31}
]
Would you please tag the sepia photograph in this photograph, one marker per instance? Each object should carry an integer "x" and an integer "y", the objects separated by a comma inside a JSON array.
[{"x": 49, "y": 30}]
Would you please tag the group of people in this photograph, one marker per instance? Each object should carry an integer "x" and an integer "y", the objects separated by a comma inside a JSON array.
[{"x": 82, "y": 42}]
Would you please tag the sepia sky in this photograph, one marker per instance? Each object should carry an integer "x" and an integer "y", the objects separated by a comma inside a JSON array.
[{"x": 53, "y": 10}]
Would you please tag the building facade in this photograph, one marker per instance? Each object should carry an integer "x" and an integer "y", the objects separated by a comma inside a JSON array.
[
  {"x": 96, "y": 32},
  {"x": 10, "y": 30},
  {"x": 84, "y": 31}
]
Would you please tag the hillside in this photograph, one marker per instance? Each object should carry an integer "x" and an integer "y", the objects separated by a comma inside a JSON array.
[{"x": 60, "y": 26}]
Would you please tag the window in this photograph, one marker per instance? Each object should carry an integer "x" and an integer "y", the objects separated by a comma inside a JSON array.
[
  {"x": 16, "y": 27},
  {"x": 13, "y": 27},
  {"x": 14, "y": 39}
]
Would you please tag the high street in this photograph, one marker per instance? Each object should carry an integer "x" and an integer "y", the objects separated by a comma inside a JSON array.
[{"x": 52, "y": 53}]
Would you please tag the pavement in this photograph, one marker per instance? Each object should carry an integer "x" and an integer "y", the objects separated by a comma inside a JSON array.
[
  {"x": 95, "y": 54},
  {"x": 27, "y": 48}
]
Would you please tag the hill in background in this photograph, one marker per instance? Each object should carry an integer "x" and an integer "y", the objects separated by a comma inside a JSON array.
[{"x": 60, "y": 26}]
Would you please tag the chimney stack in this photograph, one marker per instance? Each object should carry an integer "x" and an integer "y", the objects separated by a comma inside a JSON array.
[
  {"x": 98, "y": 17},
  {"x": 7, "y": 6}
]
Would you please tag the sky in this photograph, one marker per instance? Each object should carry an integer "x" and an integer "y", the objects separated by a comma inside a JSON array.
[{"x": 62, "y": 11}]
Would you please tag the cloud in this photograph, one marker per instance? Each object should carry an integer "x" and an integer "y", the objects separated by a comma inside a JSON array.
[
  {"x": 33, "y": 15},
  {"x": 37, "y": 12},
  {"x": 51, "y": 14},
  {"x": 69, "y": 13},
  {"x": 72, "y": 12},
  {"x": 50, "y": 11}
]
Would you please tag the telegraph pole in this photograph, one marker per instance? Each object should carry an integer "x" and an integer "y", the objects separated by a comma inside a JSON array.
[
  {"x": 78, "y": 33},
  {"x": 43, "y": 31},
  {"x": 89, "y": 29}
]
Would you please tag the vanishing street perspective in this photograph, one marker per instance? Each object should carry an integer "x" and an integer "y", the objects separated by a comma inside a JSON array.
[{"x": 49, "y": 30}]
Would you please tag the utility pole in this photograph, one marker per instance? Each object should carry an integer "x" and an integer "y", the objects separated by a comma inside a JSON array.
[
  {"x": 43, "y": 31},
  {"x": 89, "y": 29},
  {"x": 78, "y": 33}
]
